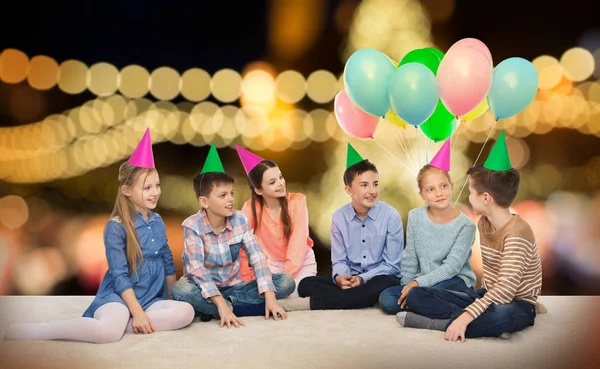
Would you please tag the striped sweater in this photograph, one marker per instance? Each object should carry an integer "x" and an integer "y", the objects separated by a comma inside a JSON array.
[{"x": 511, "y": 264}]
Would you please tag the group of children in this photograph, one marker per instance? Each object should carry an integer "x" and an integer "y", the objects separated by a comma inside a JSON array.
[{"x": 259, "y": 261}]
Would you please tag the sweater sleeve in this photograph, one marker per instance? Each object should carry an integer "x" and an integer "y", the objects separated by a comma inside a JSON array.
[
  {"x": 512, "y": 262},
  {"x": 410, "y": 263},
  {"x": 297, "y": 244},
  {"x": 245, "y": 269}
]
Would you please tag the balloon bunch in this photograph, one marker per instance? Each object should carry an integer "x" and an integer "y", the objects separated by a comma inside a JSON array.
[{"x": 430, "y": 90}]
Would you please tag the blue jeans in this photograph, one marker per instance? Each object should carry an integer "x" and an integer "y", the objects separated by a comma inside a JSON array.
[
  {"x": 496, "y": 319},
  {"x": 243, "y": 297},
  {"x": 388, "y": 300}
]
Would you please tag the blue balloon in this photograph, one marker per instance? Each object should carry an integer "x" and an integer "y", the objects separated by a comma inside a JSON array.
[
  {"x": 514, "y": 86},
  {"x": 366, "y": 76},
  {"x": 413, "y": 93}
]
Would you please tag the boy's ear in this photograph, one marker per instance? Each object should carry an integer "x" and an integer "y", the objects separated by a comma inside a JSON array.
[
  {"x": 125, "y": 190},
  {"x": 348, "y": 190},
  {"x": 487, "y": 198},
  {"x": 203, "y": 201}
]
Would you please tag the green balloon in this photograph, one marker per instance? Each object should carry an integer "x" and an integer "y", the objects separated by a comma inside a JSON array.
[
  {"x": 422, "y": 56},
  {"x": 440, "y": 125},
  {"x": 437, "y": 53}
]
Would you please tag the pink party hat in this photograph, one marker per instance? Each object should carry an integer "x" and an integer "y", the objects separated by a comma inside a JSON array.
[
  {"x": 441, "y": 160},
  {"x": 249, "y": 160},
  {"x": 142, "y": 156}
]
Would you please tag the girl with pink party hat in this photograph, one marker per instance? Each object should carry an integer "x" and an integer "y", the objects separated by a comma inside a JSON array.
[
  {"x": 438, "y": 239},
  {"x": 134, "y": 295},
  {"x": 279, "y": 220}
]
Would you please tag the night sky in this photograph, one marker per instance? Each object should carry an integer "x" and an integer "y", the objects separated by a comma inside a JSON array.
[{"x": 225, "y": 34}]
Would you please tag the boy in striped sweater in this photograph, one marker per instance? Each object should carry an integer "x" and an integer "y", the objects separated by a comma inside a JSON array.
[{"x": 512, "y": 271}]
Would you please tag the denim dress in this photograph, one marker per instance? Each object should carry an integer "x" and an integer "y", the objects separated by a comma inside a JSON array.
[{"x": 148, "y": 283}]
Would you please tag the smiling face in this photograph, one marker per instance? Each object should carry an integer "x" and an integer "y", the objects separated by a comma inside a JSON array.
[
  {"x": 145, "y": 192},
  {"x": 272, "y": 185},
  {"x": 220, "y": 200},
  {"x": 436, "y": 189},
  {"x": 364, "y": 190}
]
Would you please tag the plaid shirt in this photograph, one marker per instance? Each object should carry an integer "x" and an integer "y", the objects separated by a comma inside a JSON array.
[{"x": 212, "y": 260}]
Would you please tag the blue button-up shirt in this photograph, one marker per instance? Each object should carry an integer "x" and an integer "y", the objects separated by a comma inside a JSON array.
[{"x": 367, "y": 248}]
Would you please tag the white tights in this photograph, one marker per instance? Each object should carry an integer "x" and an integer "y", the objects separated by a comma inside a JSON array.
[{"x": 109, "y": 323}]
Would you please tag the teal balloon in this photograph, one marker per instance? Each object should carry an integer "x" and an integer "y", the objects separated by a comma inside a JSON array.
[
  {"x": 366, "y": 77},
  {"x": 440, "y": 125},
  {"x": 514, "y": 86},
  {"x": 413, "y": 93},
  {"x": 423, "y": 56}
]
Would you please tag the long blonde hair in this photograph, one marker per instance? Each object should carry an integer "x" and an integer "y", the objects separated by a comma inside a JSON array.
[{"x": 125, "y": 210}]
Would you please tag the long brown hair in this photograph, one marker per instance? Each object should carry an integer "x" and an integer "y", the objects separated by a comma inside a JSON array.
[
  {"x": 125, "y": 210},
  {"x": 255, "y": 178}
]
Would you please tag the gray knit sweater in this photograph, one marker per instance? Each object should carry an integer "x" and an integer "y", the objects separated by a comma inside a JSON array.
[{"x": 437, "y": 252}]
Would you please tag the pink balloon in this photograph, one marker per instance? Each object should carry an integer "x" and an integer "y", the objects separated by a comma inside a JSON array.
[
  {"x": 353, "y": 121},
  {"x": 474, "y": 43},
  {"x": 464, "y": 79}
]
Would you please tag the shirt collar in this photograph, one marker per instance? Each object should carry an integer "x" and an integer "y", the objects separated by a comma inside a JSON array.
[
  {"x": 350, "y": 213},
  {"x": 206, "y": 224},
  {"x": 151, "y": 217}
]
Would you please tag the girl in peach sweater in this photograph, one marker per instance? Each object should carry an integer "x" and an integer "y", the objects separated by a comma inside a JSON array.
[{"x": 279, "y": 220}]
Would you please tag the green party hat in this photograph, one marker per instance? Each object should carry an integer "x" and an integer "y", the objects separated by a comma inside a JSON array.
[
  {"x": 213, "y": 162},
  {"x": 498, "y": 159},
  {"x": 352, "y": 157}
]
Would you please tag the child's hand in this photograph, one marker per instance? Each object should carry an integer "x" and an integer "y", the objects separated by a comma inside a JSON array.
[
  {"x": 273, "y": 307},
  {"x": 141, "y": 323},
  {"x": 228, "y": 318},
  {"x": 343, "y": 281},
  {"x": 457, "y": 329},
  {"x": 356, "y": 281},
  {"x": 402, "y": 299}
]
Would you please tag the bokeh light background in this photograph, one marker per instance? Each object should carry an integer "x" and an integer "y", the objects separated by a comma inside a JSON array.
[{"x": 68, "y": 122}]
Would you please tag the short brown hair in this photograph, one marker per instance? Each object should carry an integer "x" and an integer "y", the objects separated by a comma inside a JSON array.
[
  {"x": 427, "y": 168},
  {"x": 204, "y": 183},
  {"x": 357, "y": 169},
  {"x": 502, "y": 186}
]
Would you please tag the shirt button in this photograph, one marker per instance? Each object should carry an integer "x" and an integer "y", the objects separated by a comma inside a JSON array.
[
  {"x": 156, "y": 252},
  {"x": 364, "y": 256},
  {"x": 149, "y": 227},
  {"x": 363, "y": 226},
  {"x": 363, "y": 240},
  {"x": 153, "y": 240}
]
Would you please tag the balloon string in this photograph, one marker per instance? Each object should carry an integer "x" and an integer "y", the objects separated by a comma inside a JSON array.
[
  {"x": 405, "y": 147},
  {"x": 460, "y": 121},
  {"x": 418, "y": 144},
  {"x": 409, "y": 145},
  {"x": 402, "y": 146},
  {"x": 393, "y": 156},
  {"x": 476, "y": 160}
]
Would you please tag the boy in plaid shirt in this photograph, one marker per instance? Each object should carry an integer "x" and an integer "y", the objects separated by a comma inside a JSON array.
[{"x": 213, "y": 238}]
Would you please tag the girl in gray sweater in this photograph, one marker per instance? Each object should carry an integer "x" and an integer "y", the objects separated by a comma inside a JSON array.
[{"x": 438, "y": 243}]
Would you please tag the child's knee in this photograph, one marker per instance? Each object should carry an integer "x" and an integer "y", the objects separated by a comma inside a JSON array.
[
  {"x": 285, "y": 284},
  {"x": 415, "y": 295},
  {"x": 388, "y": 302},
  {"x": 186, "y": 314},
  {"x": 182, "y": 289},
  {"x": 109, "y": 334}
]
